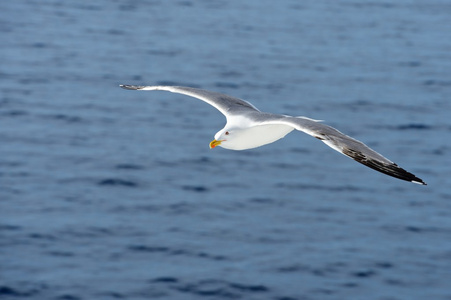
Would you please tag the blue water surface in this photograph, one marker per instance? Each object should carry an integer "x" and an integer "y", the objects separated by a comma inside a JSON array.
[{"x": 114, "y": 194}]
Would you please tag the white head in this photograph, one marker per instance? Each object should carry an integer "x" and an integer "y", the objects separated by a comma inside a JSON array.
[
  {"x": 234, "y": 138},
  {"x": 221, "y": 138}
]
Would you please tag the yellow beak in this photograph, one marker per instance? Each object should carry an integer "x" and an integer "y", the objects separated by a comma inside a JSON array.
[{"x": 214, "y": 143}]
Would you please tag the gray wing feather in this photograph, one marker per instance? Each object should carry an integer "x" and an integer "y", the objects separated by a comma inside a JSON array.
[
  {"x": 224, "y": 103},
  {"x": 348, "y": 146}
]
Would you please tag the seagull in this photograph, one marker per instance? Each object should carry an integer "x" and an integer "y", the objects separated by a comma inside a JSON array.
[{"x": 247, "y": 128}]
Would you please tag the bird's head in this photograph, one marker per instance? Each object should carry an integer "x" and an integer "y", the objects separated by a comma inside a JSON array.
[{"x": 220, "y": 138}]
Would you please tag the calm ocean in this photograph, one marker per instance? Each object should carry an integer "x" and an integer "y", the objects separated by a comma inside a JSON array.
[{"x": 114, "y": 194}]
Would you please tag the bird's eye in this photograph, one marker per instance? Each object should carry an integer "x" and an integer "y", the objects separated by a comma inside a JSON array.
[{"x": 226, "y": 133}]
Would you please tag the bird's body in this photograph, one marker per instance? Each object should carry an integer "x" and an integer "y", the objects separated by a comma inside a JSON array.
[
  {"x": 248, "y": 128},
  {"x": 257, "y": 136},
  {"x": 248, "y": 134}
]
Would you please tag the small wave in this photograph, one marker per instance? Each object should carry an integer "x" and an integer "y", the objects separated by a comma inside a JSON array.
[
  {"x": 228, "y": 85},
  {"x": 413, "y": 126},
  {"x": 129, "y": 167},
  {"x": 165, "y": 279},
  {"x": 175, "y": 252},
  {"x": 212, "y": 288},
  {"x": 363, "y": 273},
  {"x": 300, "y": 186},
  {"x": 68, "y": 297},
  {"x": 66, "y": 118},
  {"x": 195, "y": 188},
  {"x": 118, "y": 182},
  {"x": 434, "y": 82},
  {"x": 14, "y": 113},
  {"x": 9, "y": 292}
]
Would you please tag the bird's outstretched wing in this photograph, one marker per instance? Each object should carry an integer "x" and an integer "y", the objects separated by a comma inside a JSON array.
[
  {"x": 346, "y": 145},
  {"x": 224, "y": 103}
]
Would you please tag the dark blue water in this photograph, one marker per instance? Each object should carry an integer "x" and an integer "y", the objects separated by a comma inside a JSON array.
[{"x": 114, "y": 194}]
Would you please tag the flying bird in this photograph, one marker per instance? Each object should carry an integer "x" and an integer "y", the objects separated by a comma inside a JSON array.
[{"x": 247, "y": 128}]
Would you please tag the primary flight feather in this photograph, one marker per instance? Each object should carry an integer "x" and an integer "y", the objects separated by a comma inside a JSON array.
[{"x": 247, "y": 127}]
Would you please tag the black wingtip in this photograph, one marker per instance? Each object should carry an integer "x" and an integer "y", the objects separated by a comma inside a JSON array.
[
  {"x": 419, "y": 181},
  {"x": 130, "y": 87},
  {"x": 395, "y": 171},
  {"x": 391, "y": 169},
  {"x": 404, "y": 175}
]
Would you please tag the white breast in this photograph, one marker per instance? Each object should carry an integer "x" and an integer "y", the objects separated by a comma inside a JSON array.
[{"x": 256, "y": 136}]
